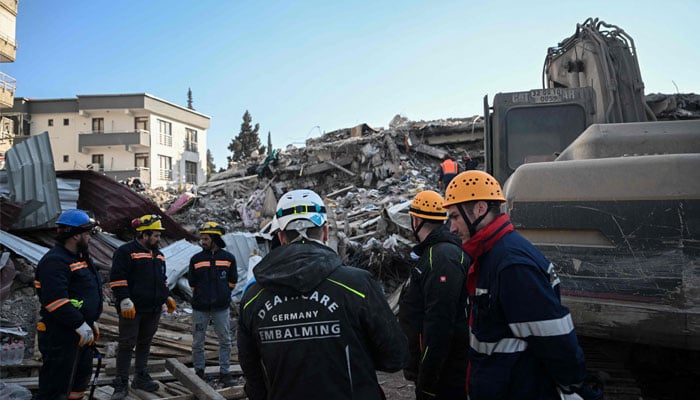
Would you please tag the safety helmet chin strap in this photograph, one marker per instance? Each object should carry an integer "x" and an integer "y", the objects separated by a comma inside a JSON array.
[
  {"x": 416, "y": 230},
  {"x": 471, "y": 225}
]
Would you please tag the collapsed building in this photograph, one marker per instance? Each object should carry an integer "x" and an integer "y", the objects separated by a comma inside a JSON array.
[{"x": 366, "y": 175}]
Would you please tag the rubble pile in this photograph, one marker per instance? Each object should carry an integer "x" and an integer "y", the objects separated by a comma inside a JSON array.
[{"x": 362, "y": 172}]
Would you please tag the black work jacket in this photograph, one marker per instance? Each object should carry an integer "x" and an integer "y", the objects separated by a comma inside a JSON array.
[
  {"x": 432, "y": 313},
  {"x": 212, "y": 277},
  {"x": 311, "y": 328},
  {"x": 62, "y": 276},
  {"x": 139, "y": 274}
]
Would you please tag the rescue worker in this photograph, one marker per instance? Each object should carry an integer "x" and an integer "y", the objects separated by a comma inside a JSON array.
[
  {"x": 140, "y": 288},
  {"x": 447, "y": 171},
  {"x": 522, "y": 339},
  {"x": 310, "y": 327},
  {"x": 432, "y": 312},
  {"x": 212, "y": 276},
  {"x": 70, "y": 293}
]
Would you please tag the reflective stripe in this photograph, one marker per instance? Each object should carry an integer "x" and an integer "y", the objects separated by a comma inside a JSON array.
[
  {"x": 37, "y": 284},
  {"x": 550, "y": 327},
  {"x": 222, "y": 263},
  {"x": 114, "y": 284},
  {"x": 201, "y": 264},
  {"x": 253, "y": 299},
  {"x": 552, "y": 273},
  {"x": 161, "y": 257},
  {"x": 77, "y": 265},
  {"x": 505, "y": 345},
  {"x": 54, "y": 305},
  {"x": 431, "y": 258},
  {"x": 348, "y": 288},
  {"x": 480, "y": 291},
  {"x": 425, "y": 353},
  {"x": 75, "y": 395},
  {"x": 135, "y": 256}
]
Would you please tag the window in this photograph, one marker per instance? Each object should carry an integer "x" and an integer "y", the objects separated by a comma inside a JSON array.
[
  {"x": 98, "y": 159},
  {"x": 165, "y": 130},
  {"x": 191, "y": 172},
  {"x": 65, "y": 158},
  {"x": 141, "y": 123},
  {"x": 65, "y": 121},
  {"x": 141, "y": 161},
  {"x": 98, "y": 125},
  {"x": 166, "y": 167},
  {"x": 50, "y": 121},
  {"x": 190, "y": 140}
]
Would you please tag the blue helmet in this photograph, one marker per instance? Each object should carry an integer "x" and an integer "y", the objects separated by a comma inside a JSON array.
[
  {"x": 73, "y": 222},
  {"x": 74, "y": 218}
]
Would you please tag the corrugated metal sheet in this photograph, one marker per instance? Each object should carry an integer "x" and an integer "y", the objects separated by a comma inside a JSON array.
[
  {"x": 68, "y": 190},
  {"x": 32, "y": 252},
  {"x": 31, "y": 177},
  {"x": 115, "y": 205}
]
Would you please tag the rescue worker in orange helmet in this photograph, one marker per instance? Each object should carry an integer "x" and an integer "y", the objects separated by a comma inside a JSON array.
[
  {"x": 522, "y": 342},
  {"x": 432, "y": 307},
  {"x": 70, "y": 293},
  {"x": 140, "y": 288}
]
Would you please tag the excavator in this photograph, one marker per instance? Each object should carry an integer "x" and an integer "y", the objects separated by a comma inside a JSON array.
[{"x": 610, "y": 194}]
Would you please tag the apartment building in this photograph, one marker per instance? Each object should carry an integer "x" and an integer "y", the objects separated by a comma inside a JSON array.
[
  {"x": 8, "y": 52},
  {"x": 123, "y": 136}
]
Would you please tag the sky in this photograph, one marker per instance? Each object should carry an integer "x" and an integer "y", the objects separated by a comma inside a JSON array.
[{"x": 302, "y": 68}]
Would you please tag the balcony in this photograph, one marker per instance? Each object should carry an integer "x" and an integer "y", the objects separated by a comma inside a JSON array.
[
  {"x": 143, "y": 174},
  {"x": 8, "y": 49},
  {"x": 132, "y": 141},
  {"x": 8, "y": 85}
]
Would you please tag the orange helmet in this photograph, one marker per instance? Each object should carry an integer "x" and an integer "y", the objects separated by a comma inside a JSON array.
[
  {"x": 428, "y": 205},
  {"x": 473, "y": 185}
]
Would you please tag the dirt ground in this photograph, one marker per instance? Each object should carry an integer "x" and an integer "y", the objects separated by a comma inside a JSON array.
[{"x": 395, "y": 386}]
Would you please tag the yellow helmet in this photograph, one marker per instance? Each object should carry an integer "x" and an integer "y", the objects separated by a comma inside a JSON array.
[
  {"x": 471, "y": 186},
  {"x": 212, "y": 228},
  {"x": 148, "y": 222},
  {"x": 428, "y": 205}
]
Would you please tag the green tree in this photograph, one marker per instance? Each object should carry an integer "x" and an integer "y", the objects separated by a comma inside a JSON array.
[
  {"x": 211, "y": 167},
  {"x": 247, "y": 140}
]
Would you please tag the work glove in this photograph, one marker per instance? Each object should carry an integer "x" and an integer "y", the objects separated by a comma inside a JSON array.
[
  {"x": 170, "y": 303},
  {"x": 127, "y": 308},
  {"x": 96, "y": 330},
  {"x": 86, "y": 336}
]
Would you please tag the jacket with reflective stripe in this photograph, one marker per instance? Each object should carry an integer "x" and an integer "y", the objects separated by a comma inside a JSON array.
[
  {"x": 139, "y": 274},
  {"x": 210, "y": 275},
  {"x": 519, "y": 323},
  {"x": 62, "y": 276}
]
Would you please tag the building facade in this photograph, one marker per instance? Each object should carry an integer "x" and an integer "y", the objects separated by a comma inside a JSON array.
[
  {"x": 123, "y": 136},
  {"x": 8, "y": 52}
]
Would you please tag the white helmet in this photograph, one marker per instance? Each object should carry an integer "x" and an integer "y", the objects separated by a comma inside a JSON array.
[{"x": 300, "y": 209}]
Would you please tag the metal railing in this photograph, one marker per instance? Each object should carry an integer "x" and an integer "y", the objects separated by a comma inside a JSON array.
[
  {"x": 7, "y": 82},
  {"x": 166, "y": 140},
  {"x": 191, "y": 146},
  {"x": 166, "y": 174}
]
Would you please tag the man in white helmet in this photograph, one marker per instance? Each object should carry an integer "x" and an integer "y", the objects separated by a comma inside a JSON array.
[{"x": 310, "y": 327}]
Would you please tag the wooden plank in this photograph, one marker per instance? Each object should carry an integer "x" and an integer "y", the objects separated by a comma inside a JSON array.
[
  {"x": 340, "y": 191},
  {"x": 347, "y": 171},
  {"x": 187, "y": 377}
]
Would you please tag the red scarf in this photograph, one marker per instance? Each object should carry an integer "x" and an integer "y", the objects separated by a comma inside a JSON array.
[
  {"x": 476, "y": 246},
  {"x": 481, "y": 243}
]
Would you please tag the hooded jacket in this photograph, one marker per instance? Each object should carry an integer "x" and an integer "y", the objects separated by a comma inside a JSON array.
[
  {"x": 433, "y": 316},
  {"x": 311, "y": 328}
]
